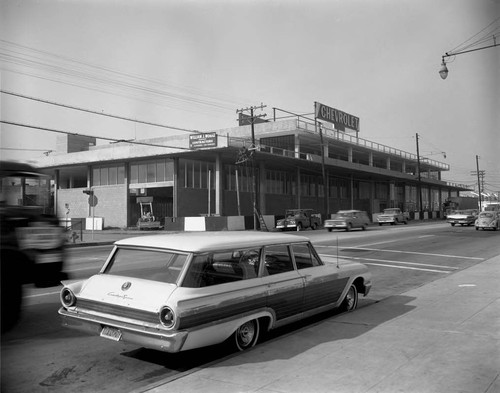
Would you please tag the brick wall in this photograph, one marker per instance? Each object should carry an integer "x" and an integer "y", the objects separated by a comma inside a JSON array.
[{"x": 111, "y": 204}]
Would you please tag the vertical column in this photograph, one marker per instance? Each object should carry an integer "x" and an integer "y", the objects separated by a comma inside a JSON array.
[
  {"x": 349, "y": 154},
  {"x": 388, "y": 163},
  {"x": 56, "y": 190},
  {"x": 392, "y": 194},
  {"x": 298, "y": 188},
  {"x": 373, "y": 206},
  {"x": 262, "y": 187},
  {"x": 218, "y": 185},
  {"x": 370, "y": 159},
  {"x": 126, "y": 183},
  {"x": 175, "y": 190},
  {"x": 89, "y": 186},
  {"x": 297, "y": 146}
]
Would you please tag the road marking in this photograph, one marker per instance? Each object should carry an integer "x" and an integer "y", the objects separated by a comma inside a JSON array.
[
  {"x": 408, "y": 268},
  {"x": 421, "y": 237},
  {"x": 419, "y": 253},
  {"x": 402, "y": 263},
  {"x": 409, "y": 252},
  {"x": 376, "y": 244}
]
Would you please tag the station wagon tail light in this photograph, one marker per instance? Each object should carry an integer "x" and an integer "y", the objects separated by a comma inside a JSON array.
[
  {"x": 167, "y": 317},
  {"x": 68, "y": 298}
]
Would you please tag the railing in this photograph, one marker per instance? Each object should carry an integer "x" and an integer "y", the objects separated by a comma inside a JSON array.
[
  {"x": 240, "y": 142},
  {"x": 353, "y": 140}
]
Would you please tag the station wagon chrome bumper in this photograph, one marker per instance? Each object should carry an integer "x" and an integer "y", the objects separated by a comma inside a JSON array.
[{"x": 153, "y": 338}]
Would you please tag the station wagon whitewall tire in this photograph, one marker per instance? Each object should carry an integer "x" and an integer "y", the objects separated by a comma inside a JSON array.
[
  {"x": 350, "y": 301},
  {"x": 247, "y": 335}
]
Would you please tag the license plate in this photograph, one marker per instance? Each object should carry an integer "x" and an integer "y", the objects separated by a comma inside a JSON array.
[{"x": 111, "y": 333}]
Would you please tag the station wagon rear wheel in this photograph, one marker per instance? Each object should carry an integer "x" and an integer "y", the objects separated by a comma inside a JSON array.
[
  {"x": 350, "y": 301},
  {"x": 247, "y": 335}
]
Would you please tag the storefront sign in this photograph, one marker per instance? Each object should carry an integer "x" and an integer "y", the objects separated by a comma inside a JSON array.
[
  {"x": 340, "y": 119},
  {"x": 207, "y": 139}
]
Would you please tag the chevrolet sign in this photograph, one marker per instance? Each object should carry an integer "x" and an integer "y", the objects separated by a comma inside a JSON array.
[{"x": 340, "y": 119}]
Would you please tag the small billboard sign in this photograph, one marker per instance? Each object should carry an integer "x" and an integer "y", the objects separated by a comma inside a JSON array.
[{"x": 206, "y": 139}]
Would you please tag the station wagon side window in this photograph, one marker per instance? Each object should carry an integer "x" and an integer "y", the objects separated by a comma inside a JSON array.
[
  {"x": 304, "y": 256},
  {"x": 277, "y": 259},
  {"x": 221, "y": 267}
]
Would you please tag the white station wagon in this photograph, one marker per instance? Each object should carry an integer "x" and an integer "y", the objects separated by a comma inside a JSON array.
[{"x": 176, "y": 292}]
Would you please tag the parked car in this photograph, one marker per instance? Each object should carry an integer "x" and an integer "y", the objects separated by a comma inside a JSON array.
[
  {"x": 488, "y": 220},
  {"x": 392, "y": 216},
  {"x": 462, "y": 217},
  {"x": 348, "y": 219},
  {"x": 182, "y": 291},
  {"x": 298, "y": 219}
]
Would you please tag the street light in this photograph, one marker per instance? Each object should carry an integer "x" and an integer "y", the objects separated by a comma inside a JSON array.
[{"x": 443, "y": 72}]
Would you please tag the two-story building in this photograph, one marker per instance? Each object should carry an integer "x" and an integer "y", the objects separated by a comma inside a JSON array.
[{"x": 218, "y": 177}]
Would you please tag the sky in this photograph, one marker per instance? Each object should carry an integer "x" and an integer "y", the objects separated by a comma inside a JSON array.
[{"x": 191, "y": 64}]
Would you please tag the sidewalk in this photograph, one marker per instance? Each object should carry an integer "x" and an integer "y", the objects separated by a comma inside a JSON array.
[{"x": 443, "y": 337}]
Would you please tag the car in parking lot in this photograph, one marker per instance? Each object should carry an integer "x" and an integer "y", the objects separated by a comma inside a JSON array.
[
  {"x": 348, "y": 219},
  {"x": 488, "y": 220},
  {"x": 392, "y": 216},
  {"x": 182, "y": 291},
  {"x": 298, "y": 219},
  {"x": 462, "y": 217}
]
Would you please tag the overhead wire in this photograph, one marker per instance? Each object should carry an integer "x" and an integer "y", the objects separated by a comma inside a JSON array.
[
  {"x": 485, "y": 37},
  {"x": 96, "y": 112},
  {"x": 176, "y": 96},
  {"x": 90, "y": 136}
]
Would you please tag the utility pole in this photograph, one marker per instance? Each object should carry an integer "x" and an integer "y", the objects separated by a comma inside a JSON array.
[
  {"x": 251, "y": 153},
  {"x": 420, "y": 209},
  {"x": 323, "y": 171},
  {"x": 480, "y": 176}
]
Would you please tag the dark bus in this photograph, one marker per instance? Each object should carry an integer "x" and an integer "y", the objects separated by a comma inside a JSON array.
[{"x": 32, "y": 241}]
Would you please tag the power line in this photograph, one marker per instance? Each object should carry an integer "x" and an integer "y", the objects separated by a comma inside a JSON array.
[
  {"x": 23, "y": 56},
  {"x": 97, "y": 113},
  {"x": 14, "y": 148},
  {"x": 90, "y": 136}
]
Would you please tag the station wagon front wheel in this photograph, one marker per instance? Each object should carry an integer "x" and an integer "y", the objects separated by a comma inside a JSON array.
[{"x": 247, "y": 335}]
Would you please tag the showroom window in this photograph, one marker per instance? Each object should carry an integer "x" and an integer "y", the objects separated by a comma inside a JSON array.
[
  {"x": 108, "y": 175},
  {"x": 152, "y": 171},
  {"x": 195, "y": 174}
]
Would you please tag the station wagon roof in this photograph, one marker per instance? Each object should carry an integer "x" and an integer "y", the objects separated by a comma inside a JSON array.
[{"x": 208, "y": 241}]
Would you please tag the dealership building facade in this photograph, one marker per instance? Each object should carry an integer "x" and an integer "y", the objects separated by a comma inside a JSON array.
[{"x": 220, "y": 178}]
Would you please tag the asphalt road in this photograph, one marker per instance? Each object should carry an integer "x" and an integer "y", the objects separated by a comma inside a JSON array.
[{"x": 41, "y": 356}]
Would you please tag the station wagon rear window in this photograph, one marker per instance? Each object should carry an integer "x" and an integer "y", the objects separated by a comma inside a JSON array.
[{"x": 162, "y": 266}]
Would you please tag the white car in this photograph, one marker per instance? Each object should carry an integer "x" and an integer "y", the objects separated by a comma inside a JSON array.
[
  {"x": 392, "y": 216},
  {"x": 347, "y": 220},
  {"x": 462, "y": 217},
  {"x": 181, "y": 291},
  {"x": 488, "y": 220}
]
